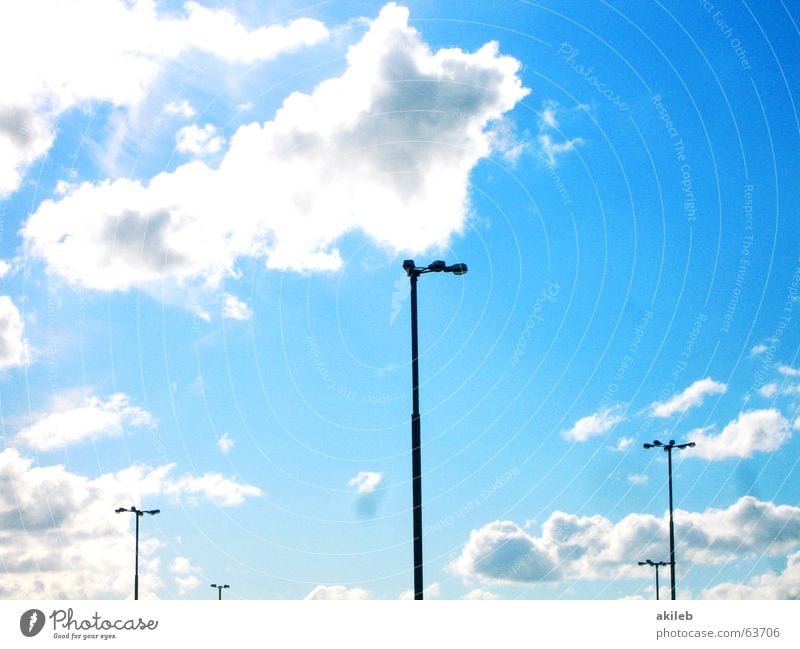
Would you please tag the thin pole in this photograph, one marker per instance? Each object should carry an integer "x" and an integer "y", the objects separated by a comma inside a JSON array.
[
  {"x": 219, "y": 588},
  {"x": 416, "y": 456},
  {"x": 136, "y": 575},
  {"x": 657, "y": 581},
  {"x": 671, "y": 525}
]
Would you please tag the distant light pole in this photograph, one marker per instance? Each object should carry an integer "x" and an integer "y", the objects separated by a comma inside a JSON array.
[
  {"x": 668, "y": 449},
  {"x": 139, "y": 513},
  {"x": 414, "y": 272},
  {"x": 219, "y": 588},
  {"x": 648, "y": 562}
]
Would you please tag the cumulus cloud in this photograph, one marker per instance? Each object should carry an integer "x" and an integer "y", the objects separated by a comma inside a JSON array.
[
  {"x": 759, "y": 349},
  {"x": 594, "y": 425},
  {"x": 769, "y": 390},
  {"x": 235, "y": 309},
  {"x": 182, "y": 108},
  {"x": 385, "y": 149},
  {"x": 366, "y": 481},
  {"x": 73, "y": 419},
  {"x": 185, "y": 575},
  {"x": 225, "y": 443},
  {"x": 689, "y": 398},
  {"x": 788, "y": 370},
  {"x": 637, "y": 478},
  {"x": 14, "y": 347},
  {"x": 752, "y": 431},
  {"x": 480, "y": 593},
  {"x": 337, "y": 592},
  {"x": 784, "y": 585},
  {"x": 198, "y": 141},
  {"x": 623, "y": 444},
  {"x": 60, "y": 537},
  {"x": 574, "y": 547},
  {"x": 116, "y": 64}
]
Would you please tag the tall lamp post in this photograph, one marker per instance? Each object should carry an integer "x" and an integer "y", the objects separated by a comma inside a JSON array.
[
  {"x": 648, "y": 562},
  {"x": 219, "y": 588},
  {"x": 139, "y": 513},
  {"x": 668, "y": 449},
  {"x": 413, "y": 271}
]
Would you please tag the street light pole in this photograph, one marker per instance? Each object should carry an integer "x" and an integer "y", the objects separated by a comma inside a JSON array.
[
  {"x": 219, "y": 588},
  {"x": 413, "y": 271},
  {"x": 139, "y": 513},
  {"x": 668, "y": 449},
  {"x": 648, "y": 562}
]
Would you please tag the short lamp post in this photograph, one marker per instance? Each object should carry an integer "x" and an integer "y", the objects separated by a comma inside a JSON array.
[
  {"x": 219, "y": 588},
  {"x": 657, "y": 564},
  {"x": 668, "y": 450},
  {"x": 139, "y": 513},
  {"x": 413, "y": 271}
]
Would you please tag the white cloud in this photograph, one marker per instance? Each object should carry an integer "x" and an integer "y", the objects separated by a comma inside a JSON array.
[
  {"x": 60, "y": 537},
  {"x": 386, "y": 149},
  {"x": 431, "y": 592},
  {"x": 787, "y": 370},
  {"x": 796, "y": 424},
  {"x": 337, "y": 592},
  {"x": 186, "y": 584},
  {"x": 182, "y": 108},
  {"x": 185, "y": 572},
  {"x": 593, "y": 425},
  {"x": 116, "y": 64},
  {"x": 199, "y": 141},
  {"x": 5, "y": 267},
  {"x": 366, "y": 481},
  {"x": 574, "y": 547},
  {"x": 235, "y": 309},
  {"x": 753, "y": 431},
  {"x": 213, "y": 486},
  {"x": 225, "y": 443},
  {"x": 689, "y": 398},
  {"x": 759, "y": 349},
  {"x": 769, "y": 390},
  {"x": 72, "y": 419},
  {"x": 784, "y": 585},
  {"x": 552, "y": 149},
  {"x": 480, "y": 593},
  {"x": 637, "y": 479},
  {"x": 623, "y": 444},
  {"x": 14, "y": 347}
]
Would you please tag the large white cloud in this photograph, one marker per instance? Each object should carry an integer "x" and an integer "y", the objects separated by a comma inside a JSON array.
[
  {"x": 593, "y": 425},
  {"x": 574, "y": 547},
  {"x": 751, "y": 432},
  {"x": 338, "y": 592},
  {"x": 73, "y": 419},
  {"x": 386, "y": 149},
  {"x": 60, "y": 537},
  {"x": 784, "y": 585},
  {"x": 689, "y": 398},
  {"x": 62, "y": 59},
  {"x": 14, "y": 347}
]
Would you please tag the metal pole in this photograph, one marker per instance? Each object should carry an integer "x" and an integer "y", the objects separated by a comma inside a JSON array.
[
  {"x": 671, "y": 524},
  {"x": 136, "y": 575},
  {"x": 219, "y": 588},
  {"x": 416, "y": 456},
  {"x": 657, "y": 581}
]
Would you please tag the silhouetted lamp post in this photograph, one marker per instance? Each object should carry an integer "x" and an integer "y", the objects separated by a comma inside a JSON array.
[
  {"x": 139, "y": 513},
  {"x": 668, "y": 449},
  {"x": 414, "y": 272},
  {"x": 648, "y": 562},
  {"x": 219, "y": 588}
]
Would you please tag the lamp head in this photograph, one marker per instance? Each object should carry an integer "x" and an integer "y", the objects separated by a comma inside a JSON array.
[
  {"x": 409, "y": 266},
  {"x": 153, "y": 512},
  {"x": 437, "y": 266},
  {"x": 457, "y": 269},
  {"x": 119, "y": 510}
]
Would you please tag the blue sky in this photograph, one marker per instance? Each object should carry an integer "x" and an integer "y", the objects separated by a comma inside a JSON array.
[{"x": 204, "y": 209}]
